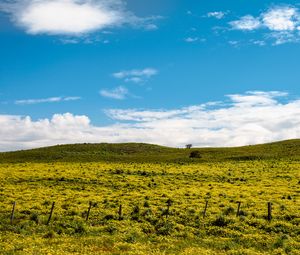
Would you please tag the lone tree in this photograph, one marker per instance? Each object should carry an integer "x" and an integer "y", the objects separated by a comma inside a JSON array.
[{"x": 189, "y": 146}]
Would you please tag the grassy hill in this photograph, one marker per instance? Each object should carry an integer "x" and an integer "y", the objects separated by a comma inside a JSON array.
[
  {"x": 131, "y": 199},
  {"x": 139, "y": 152}
]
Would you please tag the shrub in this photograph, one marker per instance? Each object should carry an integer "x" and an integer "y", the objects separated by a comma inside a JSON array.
[
  {"x": 109, "y": 217},
  {"x": 221, "y": 221},
  {"x": 195, "y": 154}
]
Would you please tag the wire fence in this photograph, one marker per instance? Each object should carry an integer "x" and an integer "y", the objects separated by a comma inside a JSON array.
[{"x": 166, "y": 209}]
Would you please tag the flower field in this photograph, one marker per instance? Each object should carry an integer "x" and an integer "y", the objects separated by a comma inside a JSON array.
[{"x": 151, "y": 207}]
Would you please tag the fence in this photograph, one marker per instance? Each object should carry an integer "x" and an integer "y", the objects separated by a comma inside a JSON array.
[{"x": 166, "y": 213}]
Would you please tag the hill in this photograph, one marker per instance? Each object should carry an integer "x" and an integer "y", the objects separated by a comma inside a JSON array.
[
  {"x": 139, "y": 152},
  {"x": 128, "y": 199}
]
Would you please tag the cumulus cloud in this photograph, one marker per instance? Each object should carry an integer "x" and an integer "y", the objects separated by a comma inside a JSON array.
[
  {"x": 71, "y": 17},
  {"x": 241, "y": 119},
  {"x": 278, "y": 18},
  {"x": 136, "y": 75},
  {"x": 281, "y": 18},
  {"x": 282, "y": 23},
  {"x": 23, "y": 132},
  {"x": 118, "y": 93},
  {"x": 46, "y": 100}
]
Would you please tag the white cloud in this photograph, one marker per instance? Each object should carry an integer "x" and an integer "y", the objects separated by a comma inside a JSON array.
[
  {"x": 247, "y": 22},
  {"x": 23, "y": 132},
  {"x": 70, "y": 98},
  {"x": 281, "y": 18},
  {"x": 116, "y": 93},
  {"x": 146, "y": 115},
  {"x": 278, "y": 18},
  {"x": 259, "y": 42},
  {"x": 71, "y": 17},
  {"x": 283, "y": 37},
  {"x": 282, "y": 24},
  {"x": 136, "y": 75},
  {"x": 250, "y": 118},
  {"x": 191, "y": 39},
  {"x": 234, "y": 43},
  {"x": 147, "y": 72},
  {"x": 217, "y": 15},
  {"x": 46, "y": 100},
  {"x": 256, "y": 98},
  {"x": 194, "y": 39}
]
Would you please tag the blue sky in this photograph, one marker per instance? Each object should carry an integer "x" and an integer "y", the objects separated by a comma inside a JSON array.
[{"x": 148, "y": 71}]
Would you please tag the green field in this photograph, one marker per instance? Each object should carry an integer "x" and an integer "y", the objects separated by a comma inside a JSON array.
[{"x": 162, "y": 192}]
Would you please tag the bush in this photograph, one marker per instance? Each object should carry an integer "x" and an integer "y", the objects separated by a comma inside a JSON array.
[
  {"x": 221, "y": 221},
  {"x": 109, "y": 217},
  {"x": 195, "y": 154}
]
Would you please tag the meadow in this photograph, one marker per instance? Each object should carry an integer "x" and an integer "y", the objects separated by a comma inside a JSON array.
[{"x": 146, "y": 199}]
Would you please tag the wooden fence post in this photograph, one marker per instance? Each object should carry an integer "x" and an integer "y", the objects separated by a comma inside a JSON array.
[
  {"x": 51, "y": 212},
  {"x": 269, "y": 211},
  {"x": 88, "y": 212},
  {"x": 120, "y": 212},
  {"x": 205, "y": 209},
  {"x": 238, "y": 209},
  {"x": 12, "y": 215},
  {"x": 169, "y": 203}
]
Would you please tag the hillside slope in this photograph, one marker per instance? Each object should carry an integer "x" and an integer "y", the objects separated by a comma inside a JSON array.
[{"x": 138, "y": 152}]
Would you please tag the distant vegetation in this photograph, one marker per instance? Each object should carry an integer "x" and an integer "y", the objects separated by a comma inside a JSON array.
[{"x": 148, "y": 199}]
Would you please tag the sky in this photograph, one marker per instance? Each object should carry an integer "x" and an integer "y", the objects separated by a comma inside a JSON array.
[{"x": 172, "y": 72}]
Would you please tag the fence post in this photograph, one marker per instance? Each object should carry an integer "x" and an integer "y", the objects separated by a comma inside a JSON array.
[
  {"x": 120, "y": 212},
  {"x": 269, "y": 211},
  {"x": 12, "y": 215},
  {"x": 205, "y": 209},
  {"x": 88, "y": 212},
  {"x": 169, "y": 203},
  {"x": 238, "y": 209},
  {"x": 51, "y": 212}
]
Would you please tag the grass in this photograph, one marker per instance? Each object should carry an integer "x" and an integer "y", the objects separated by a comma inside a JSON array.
[
  {"x": 138, "y": 152},
  {"x": 145, "y": 179}
]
